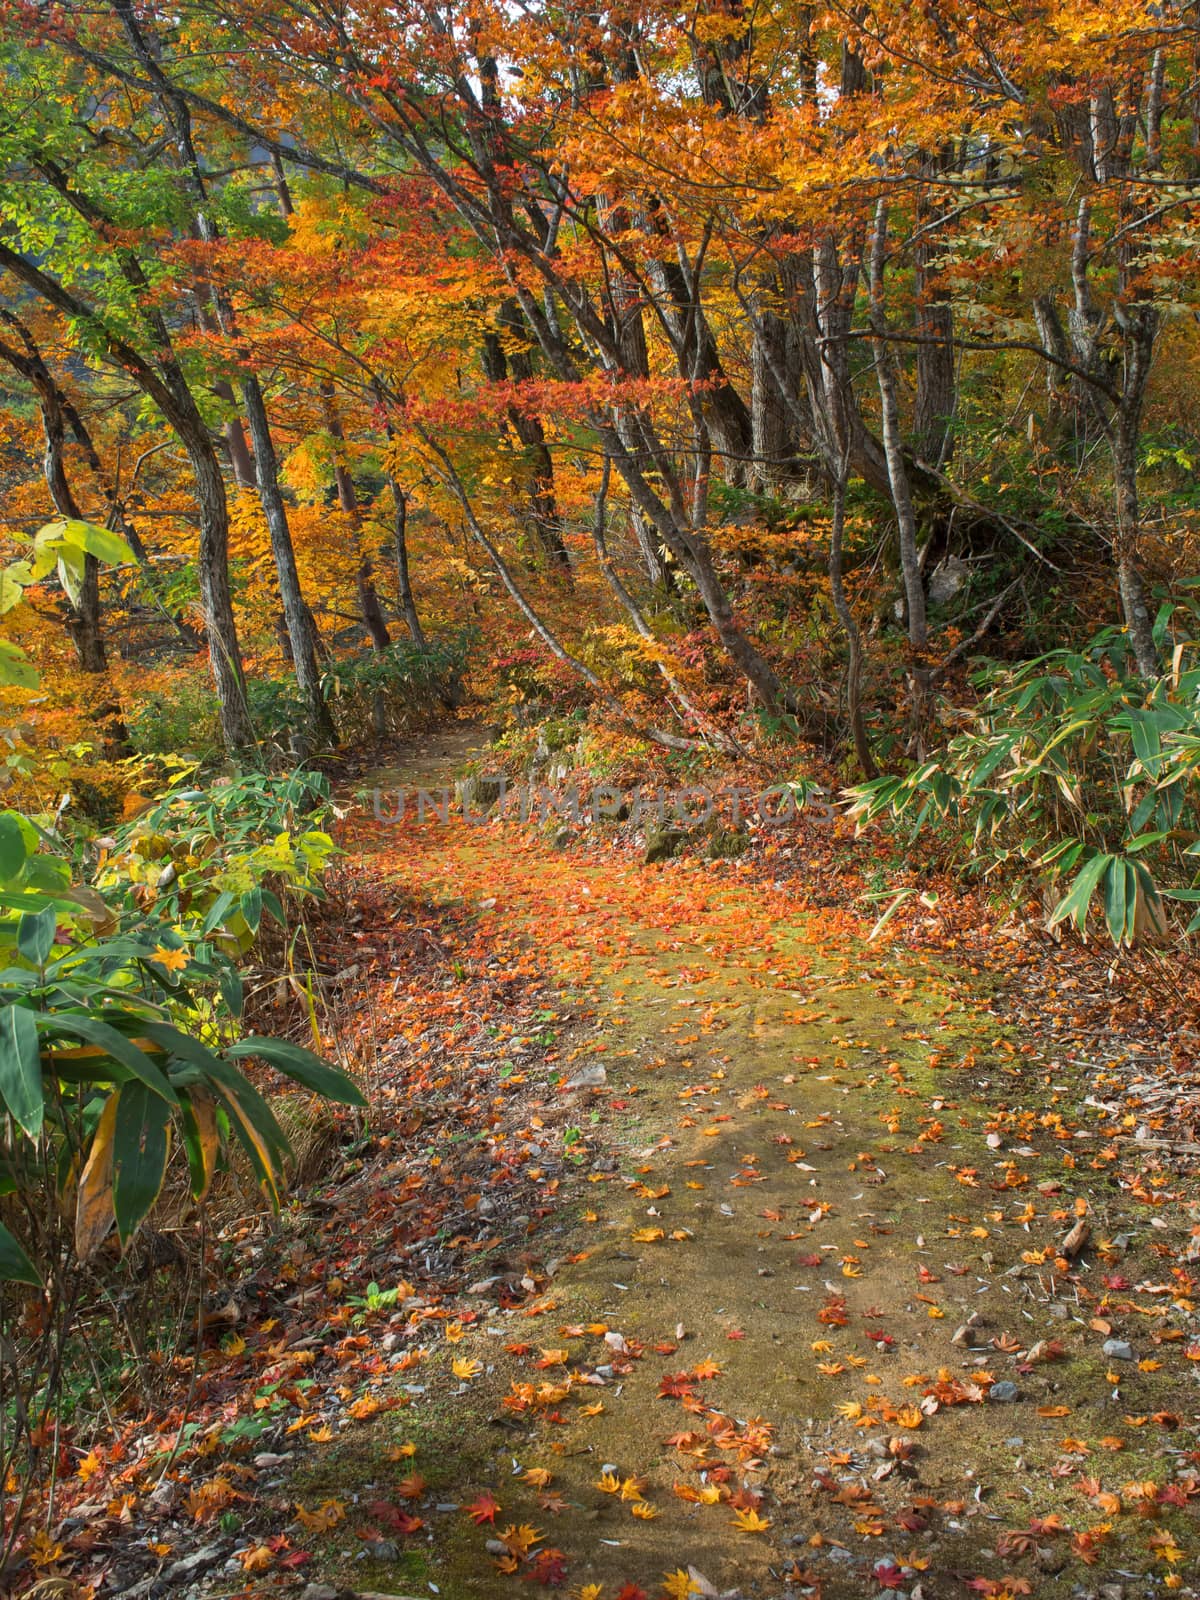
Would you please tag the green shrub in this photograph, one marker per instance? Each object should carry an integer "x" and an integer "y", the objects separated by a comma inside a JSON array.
[{"x": 1076, "y": 771}]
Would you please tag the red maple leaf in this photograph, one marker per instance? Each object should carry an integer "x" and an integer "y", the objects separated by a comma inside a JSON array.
[{"x": 484, "y": 1509}]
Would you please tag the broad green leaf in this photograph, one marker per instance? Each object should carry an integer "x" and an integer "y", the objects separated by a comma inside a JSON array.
[
  {"x": 12, "y": 847},
  {"x": 140, "y": 1146},
  {"x": 303, "y": 1067},
  {"x": 12, "y": 590},
  {"x": 202, "y": 1139},
  {"x": 21, "y": 1068},
  {"x": 110, "y": 1042},
  {"x": 1078, "y": 898},
  {"x": 102, "y": 543},
  {"x": 1118, "y": 900},
  {"x": 71, "y": 572},
  {"x": 15, "y": 670},
  {"x": 35, "y": 935},
  {"x": 15, "y": 1265}
]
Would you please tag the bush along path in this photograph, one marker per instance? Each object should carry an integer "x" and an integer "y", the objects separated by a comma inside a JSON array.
[{"x": 698, "y": 1246}]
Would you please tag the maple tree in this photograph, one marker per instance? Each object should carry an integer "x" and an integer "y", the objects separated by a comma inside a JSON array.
[{"x": 796, "y": 392}]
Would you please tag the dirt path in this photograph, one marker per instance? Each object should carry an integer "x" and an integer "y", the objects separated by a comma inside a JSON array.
[{"x": 798, "y": 1167}]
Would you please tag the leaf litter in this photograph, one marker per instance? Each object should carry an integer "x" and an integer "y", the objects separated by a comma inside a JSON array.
[{"x": 832, "y": 1283}]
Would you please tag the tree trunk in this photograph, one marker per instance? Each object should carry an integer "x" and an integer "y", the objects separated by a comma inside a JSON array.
[
  {"x": 893, "y": 444},
  {"x": 364, "y": 578},
  {"x": 771, "y": 416},
  {"x": 301, "y": 630},
  {"x": 858, "y": 728},
  {"x": 901, "y": 489},
  {"x": 499, "y": 367},
  {"x": 1134, "y": 605},
  {"x": 408, "y": 604},
  {"x": 212, "y": 568}
]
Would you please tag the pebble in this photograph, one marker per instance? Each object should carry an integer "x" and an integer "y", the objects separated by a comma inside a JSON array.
[
  {"x": 1004, "y": 1393},
  {"x": 1118, "y": 1350}
]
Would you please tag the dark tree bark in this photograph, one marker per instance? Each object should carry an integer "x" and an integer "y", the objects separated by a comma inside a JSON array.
[
  {"x": 301, "y": 630},
  {"x": 408, "y": 604},
  {"x": 364, "y": 577},
  {"x": 499, "y": 365}
]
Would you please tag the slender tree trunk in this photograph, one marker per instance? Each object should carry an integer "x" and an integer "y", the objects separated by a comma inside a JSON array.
[
  {"x": 714, "y": 735},
  {"x": 858, "y": 728},
  {"x": 498, "y": 366},
  {"x": 212, "y": 570},
  {"x": 301, "y": 630},
  {"x": 364, "y": 578},
  {"x": 893, "y": 443},
  {"x": 901, "y": 489},
  {"x": 408, "y": 604},
  {"x": 1134, "y": 604}
]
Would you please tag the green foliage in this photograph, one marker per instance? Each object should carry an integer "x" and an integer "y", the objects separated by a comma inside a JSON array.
[
  {"x": 403, "y": 681},
  {"x": 62, "y": 546},
  {"x": 1078, "y": 771},
  {"x": 115, "y": 1008}
]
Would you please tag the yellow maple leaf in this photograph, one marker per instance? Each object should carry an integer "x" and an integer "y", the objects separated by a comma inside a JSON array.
[
  {"x": 648, "y": 1235},
  {"x": 679, "y": 1584},
  {"x": 88, "y": 1466},
  {"x": 171, "y": 960},
  {"x": 465, "y": 1367},
  {"x": 327, "y": 1515},
  {"x": 750, "y": 1522},
  {"x": 537, "y": 1476},
  {"x": 609, "y": 1482},
  {"x": 518, "y": 1541},
  {"x": 644, "y": 1510}
]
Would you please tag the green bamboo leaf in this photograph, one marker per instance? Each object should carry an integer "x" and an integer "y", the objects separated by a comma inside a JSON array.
[
  {"x": 21, "y": 1069},
  {"x": 303, "y": 1067},
  {"x": 15, "y": 1265},
  {"x": 140, "y": 1145},
  {"x": 35, "y": 935},
  {"x": 12, "y": 847},
  {"x": 91, "y": 1030}
]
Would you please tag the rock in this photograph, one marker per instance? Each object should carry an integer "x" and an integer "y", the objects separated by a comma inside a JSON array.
[
  {"x": 318, "y": 1591},
  {"x": 382, "y": 1550},
  {"x": 725, "y": 844},
  {"x": 1004, "y": 1393},
  {"x": 188, "y": 1567},
  {"x": 946, "y": 579},
  {"x": 591, "y": 1077},
  {"x": 661, "y": 844},
  {"x": 1118, "y": 1350}
]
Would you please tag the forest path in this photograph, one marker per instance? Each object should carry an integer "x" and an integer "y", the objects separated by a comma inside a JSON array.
[{"x": 810, "y": 1162}]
